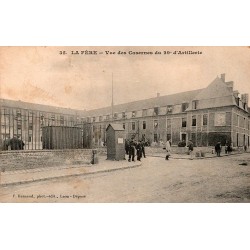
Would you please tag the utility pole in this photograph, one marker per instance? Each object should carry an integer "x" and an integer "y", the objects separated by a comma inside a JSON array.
[{"x": 112, "y": 103}]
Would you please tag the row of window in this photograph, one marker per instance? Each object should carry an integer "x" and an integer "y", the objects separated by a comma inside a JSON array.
[
  {"x": 18, "y": 115},
  {"x": 242, "y": 122},
  {"x": 42, "y": 120},
  {"x": 194, "y": 120},
  {"x": 184, "y": 122},
  {"x": 156, "y": 111}
]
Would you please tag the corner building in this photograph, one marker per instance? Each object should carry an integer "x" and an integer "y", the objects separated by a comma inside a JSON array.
[{"x": 205, "y": 116}]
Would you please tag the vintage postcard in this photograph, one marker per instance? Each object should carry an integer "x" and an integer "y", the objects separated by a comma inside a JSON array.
[{"x": 124, "y": 124}]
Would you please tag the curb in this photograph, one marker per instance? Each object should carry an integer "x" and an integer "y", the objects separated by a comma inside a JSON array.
[{"x": 66, "y": 176}]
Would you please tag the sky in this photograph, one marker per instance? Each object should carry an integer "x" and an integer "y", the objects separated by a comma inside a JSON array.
[{"x": 43, "y": 75}]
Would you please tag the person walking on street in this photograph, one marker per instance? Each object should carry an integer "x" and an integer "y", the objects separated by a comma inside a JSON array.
[
  {"x": 143, "y": 149},
  {"x": 191, "y": 149},
  {"x": 218, "y": 149},
  {"x": 168, "y": 149}
]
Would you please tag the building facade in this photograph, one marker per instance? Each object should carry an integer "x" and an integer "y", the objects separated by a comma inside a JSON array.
[
  {"x": 26, "y": 120},
  {"x": 205, "y": 116}
]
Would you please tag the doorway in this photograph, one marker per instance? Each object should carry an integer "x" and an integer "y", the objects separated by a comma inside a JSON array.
[{"x": 183, "y": 137}]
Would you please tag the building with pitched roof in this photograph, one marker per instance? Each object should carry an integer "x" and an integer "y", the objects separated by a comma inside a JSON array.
[
  {"x": 205, "y": 116},
  {"x": 25, "y": 121}
]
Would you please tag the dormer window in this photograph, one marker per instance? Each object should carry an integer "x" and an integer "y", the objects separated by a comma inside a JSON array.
[
  {"x": 184, "y": 106},
  {"x": 62, "y": 120},
  {"x": 194, "y": 104},
  {"x": 123, "y": 115},
  {"x": 169, "y": 109},
  {"x": 156, "y": 110},
  {"x": 42, "y": 119},
  {"x": 133, "y": 113},
  {"x": 18, "y": 113}
]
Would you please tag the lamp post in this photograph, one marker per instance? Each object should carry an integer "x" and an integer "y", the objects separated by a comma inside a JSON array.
[{"x": 138, "y": 129}]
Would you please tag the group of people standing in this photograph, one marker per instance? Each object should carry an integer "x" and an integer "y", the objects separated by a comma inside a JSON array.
[
  {"x": 134, "y": 148},
  {"x": 228, "y": 148}
]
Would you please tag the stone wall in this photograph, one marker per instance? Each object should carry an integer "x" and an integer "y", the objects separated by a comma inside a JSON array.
[{"x": 16, "y": 160}]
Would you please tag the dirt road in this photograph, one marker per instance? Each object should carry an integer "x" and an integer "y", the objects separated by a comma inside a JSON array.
[{"x": 207, "y": 180}]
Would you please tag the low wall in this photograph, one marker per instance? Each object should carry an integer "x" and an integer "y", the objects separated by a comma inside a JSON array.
[{"x": 16, "y": 160}]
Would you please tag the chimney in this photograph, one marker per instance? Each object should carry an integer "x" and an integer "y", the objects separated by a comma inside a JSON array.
[
  {"x": 158, "y": 94},
  {"x": 244, "y": 98},
  {"x": 230, "y": 85},
  {"x": 223, "y": 77},
  {"x": 236, "y": 93}
]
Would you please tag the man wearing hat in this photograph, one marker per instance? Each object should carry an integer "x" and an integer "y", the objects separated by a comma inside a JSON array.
[
  {"x": 218, "y": 148},
  {"x": 131, "y": 151}
]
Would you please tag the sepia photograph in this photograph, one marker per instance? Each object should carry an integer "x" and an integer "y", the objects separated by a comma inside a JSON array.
[{"x": 124, "y": 124}]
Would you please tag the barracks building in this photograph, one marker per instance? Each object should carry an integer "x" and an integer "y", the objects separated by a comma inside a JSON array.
[{"x": 205, "y": 116}]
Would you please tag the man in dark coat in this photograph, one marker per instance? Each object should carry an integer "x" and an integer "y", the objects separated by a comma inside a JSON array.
[
  {"x": 228, "y": 148},
  {"x": 218, "y": 148},
  {"x": 131, "y": 150},
  {"x": 21, "y": 144},
  {"x": 139, "y": 151},
  {"x": 126, "y": 147},
  {"x": 14, "y": 144}
]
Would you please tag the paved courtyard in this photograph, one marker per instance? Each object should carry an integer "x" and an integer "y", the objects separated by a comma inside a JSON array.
[{"x": 224, "y": 179}]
